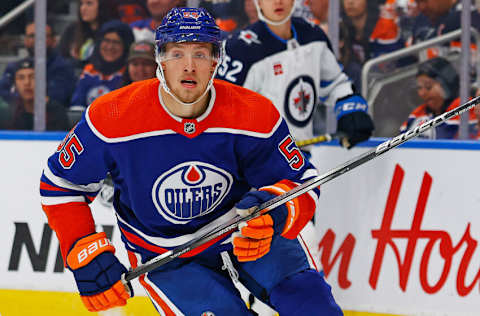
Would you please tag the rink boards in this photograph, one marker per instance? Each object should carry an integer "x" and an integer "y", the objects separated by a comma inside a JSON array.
[{"x": 398, "y": 235}]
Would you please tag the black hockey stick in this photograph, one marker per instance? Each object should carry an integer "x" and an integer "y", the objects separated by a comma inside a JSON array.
[{"x": 301, "y": 189}]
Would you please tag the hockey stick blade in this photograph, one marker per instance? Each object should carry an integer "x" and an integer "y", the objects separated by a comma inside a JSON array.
[
  {"x": 319, "y": 139},
  {"x": 299, "y": 190}
]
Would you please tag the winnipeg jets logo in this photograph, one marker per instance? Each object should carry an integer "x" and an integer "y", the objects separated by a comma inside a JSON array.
[
  {"x": 189, "y": 127},
  {"x": 300, "y": 100},
  {"x": 190, "y": 190},
  {"x": 249, "y": 37}
]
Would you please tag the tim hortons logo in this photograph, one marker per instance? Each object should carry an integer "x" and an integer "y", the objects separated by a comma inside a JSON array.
[{"x": 386, "y": 236}]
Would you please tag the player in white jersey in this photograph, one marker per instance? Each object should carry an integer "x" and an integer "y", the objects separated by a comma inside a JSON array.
[{"x": 290, "y": 61}]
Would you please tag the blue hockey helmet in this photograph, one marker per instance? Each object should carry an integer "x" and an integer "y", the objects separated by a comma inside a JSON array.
[{"x": 188, "y": 25}]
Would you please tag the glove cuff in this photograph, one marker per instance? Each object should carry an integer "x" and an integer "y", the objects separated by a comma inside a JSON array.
[
  {"x": 87, "y": 248},
  {"x": 349, "y": 104},
  {"x": 287, "y": 218},
  {"x": 299, "y": 210}
]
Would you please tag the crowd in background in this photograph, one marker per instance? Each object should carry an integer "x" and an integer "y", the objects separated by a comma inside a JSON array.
[{"x": 110, "y": 45}]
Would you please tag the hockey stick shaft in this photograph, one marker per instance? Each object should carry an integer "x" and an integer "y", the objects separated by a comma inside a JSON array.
[{"x": 299, "y": 190}]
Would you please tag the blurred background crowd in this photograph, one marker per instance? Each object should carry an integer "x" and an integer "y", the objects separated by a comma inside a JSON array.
[{"x": 96, "y": 46}]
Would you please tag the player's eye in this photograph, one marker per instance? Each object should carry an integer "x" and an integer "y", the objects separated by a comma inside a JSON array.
[
  {"x": 176, "y": 55},
  {"x": 200, "y": 55}
]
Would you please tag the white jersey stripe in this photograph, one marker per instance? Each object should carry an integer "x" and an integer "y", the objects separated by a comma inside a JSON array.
[
  {"x": 54, "y": 200},
  {"x": 61, "y": 182}
]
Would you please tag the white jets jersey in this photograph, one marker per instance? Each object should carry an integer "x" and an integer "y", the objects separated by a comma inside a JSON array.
[{"x": 294, "y": 74}]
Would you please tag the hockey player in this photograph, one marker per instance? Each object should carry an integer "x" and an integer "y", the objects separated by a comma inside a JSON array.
[
  {"x": 290, "y": 61},
  {"x": 183, "y": 150}
]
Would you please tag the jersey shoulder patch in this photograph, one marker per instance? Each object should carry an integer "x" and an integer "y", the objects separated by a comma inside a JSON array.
[{"x": 249, "y": 44}]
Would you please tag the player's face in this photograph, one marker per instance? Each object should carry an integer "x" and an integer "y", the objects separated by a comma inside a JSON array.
[
  {"x": 111, "y": 47},
  {"x": 25, "y": 83},
  {"x": 141, "y": 69},
  {"x": 89, "y": 10},
  {"x": 355, "y": 8},
  {"x": 276, "y": 10},
  {"x": 188, "y": 68},
  {"x": 431, "y": 92}
]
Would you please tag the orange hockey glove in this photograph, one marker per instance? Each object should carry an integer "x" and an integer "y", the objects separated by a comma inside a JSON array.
[
  {"x": 255, "y": 236},
  {"x": 98, "y": 273}
]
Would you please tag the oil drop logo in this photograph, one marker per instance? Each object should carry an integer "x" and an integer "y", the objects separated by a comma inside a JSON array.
[{"x": 189, "y": 190}]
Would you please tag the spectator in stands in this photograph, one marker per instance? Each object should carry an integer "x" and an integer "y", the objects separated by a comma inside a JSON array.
[
  {"x": 130, "y": 11},
  {"x": 77, "y": 41},
  {"x": 141, "y": 64},
  {"x": 60, "y": 72},
  {"x": 250, "y": 12},
  {"x": 19, "y": 113},
  {"x": 438, "y": 85},
  {"x": 373, "y": 29},
  {"x": 319, "y": 10},
  {"x": 145, "y": 29},
  {"x": 229, "y": 14},
  {"x": 108, "y": 61},
  {"x": 439, "y": 17}
]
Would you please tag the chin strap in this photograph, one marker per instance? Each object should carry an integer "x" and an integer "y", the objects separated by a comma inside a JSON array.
[{"x": 261, "y": 17}]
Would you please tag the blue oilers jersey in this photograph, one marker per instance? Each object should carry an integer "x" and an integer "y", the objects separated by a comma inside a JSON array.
[
  {"x": 93, "y": 84},
  {"x": 294, "y": 74},
  {"x": 174, "y": 178},
  {"x": 447, "y": 130}
]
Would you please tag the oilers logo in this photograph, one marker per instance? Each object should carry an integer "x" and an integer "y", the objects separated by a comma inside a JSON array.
[
  {"x": 96, "y": 92},
  {"x": 190, "y": 190},
  {"x": 300, "y": 100}
]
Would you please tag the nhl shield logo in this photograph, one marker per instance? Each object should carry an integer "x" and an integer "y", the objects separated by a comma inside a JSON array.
[
  {"x": 190, "y": 190},
  {"x": 189, "y": 127}
]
